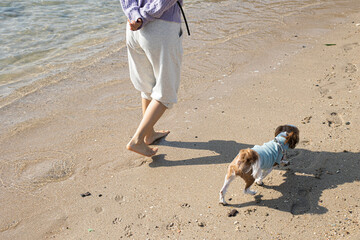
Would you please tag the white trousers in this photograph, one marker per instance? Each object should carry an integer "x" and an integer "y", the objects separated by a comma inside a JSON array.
[{"x": 155, "y": 55}]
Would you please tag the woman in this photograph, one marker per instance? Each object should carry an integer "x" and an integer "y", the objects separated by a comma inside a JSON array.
[{"x": 154, "y": 43}]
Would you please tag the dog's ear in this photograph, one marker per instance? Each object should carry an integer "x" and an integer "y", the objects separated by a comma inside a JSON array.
[
  {"x": 286, "y": 128},
  {"x": 292, "y": 139},
  {"x": 280, "y": 129}
]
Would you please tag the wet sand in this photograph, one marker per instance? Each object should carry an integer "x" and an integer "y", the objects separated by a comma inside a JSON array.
[{"x": 229, "y": 101}]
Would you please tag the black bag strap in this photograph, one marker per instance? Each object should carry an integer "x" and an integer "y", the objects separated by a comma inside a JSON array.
[{"x": 182, "y": 11}]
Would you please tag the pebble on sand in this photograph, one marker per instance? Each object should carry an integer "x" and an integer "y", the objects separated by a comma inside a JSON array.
[
  {"x": 86, "y": 194},
  {"x": 233, "y": 213}
]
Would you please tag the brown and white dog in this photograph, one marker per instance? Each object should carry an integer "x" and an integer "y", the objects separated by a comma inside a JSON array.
[{"x": 256, "y": 163}]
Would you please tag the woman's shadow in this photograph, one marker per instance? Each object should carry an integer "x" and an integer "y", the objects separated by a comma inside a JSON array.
[{"x": 307, "y": 176}]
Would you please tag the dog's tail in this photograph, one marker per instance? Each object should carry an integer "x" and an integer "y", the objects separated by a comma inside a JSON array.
[{"x": 247, "y": 159}]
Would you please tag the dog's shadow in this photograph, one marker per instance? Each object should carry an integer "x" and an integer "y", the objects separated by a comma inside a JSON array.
[{"x": 306, "y": 178}]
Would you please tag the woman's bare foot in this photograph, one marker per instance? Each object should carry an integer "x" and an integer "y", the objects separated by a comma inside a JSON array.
[
  {"x": 155, "y": 136},
  {"x": 141, "y": 148}
]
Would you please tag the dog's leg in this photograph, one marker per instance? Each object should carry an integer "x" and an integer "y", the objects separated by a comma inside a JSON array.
[
  {"x": 228, "y": 179},
  {"x": 249, "y": 180},
  {"x": 284, "y": 163},
  {"x": 264, "y": 173},
  {"x": 259, "y": 179}
]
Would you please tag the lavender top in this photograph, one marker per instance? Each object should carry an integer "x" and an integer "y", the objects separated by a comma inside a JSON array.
[{"x": 149, "y": 10}]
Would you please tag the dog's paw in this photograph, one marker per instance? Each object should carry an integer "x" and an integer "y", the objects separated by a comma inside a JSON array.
[
  {"x": 284, "y": 163},
  {"x": 259, "y": 182},
  {"x": 248, "y": 191},
  {"x": 222, "y": 199},
  {"x": 223, "y": 203}
]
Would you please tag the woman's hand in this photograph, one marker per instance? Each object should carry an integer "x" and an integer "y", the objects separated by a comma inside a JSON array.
[{"x": 135, "y": 25}]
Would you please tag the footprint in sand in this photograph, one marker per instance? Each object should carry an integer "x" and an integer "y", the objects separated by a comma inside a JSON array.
[
  {"x": 350, "y": 68},
  {"x": 350, "y": 46},
  {"x": 305, "y": 142},
  {"x": 98, "y": 209},
  {"x": 323, "y": 91},
  {"x": 334, "y": 120},
  {"x": 127, "y": 230},
  {"x": 40, "y": 168},
  {"x": 306, "y": 120},
  {"x": 117, "y": 220},
  {"x": 302, "y": 203},
  {"x": 319, "y": 173},
  {"x": 119, "y": 198}
]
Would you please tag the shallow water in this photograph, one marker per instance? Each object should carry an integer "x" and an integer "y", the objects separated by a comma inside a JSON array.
[
  {"x": 40, "y": 37},
  {"x": 43, "y": 38}
]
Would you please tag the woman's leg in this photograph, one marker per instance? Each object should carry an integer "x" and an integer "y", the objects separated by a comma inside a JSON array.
[
  {"x": 152, "y": 136},
  {"x": 153, "y": 111}
]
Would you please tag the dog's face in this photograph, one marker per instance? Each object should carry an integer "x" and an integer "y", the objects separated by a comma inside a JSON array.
[{"x": 292, "y": 134}]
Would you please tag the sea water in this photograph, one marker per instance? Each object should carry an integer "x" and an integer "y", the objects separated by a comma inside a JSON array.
[{"x": 40, "y": 38}]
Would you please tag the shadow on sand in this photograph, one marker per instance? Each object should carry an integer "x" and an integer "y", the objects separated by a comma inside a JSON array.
[{"x": 307, "y": 176}]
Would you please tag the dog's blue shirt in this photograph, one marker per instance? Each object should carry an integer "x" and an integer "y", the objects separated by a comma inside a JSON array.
[{"x": 271, "y": 152}]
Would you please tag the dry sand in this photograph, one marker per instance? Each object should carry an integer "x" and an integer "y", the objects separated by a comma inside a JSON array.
[{"x": 51, "y": 161}]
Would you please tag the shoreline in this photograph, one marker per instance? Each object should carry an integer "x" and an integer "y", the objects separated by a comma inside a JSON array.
[{"x": 175, "y": 194}]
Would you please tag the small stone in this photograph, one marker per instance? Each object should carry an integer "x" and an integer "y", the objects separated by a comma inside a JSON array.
[
  {"x": 201, "y": 224},
  {"x": 86, "y": 194},
  {"x": 233, "y": 213}
]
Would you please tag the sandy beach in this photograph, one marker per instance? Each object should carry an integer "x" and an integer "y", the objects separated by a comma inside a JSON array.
[{"x": 67, "y": 175}]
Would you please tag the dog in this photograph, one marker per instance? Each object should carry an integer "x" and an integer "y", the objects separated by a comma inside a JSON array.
[{"x": 254, "y": 164}]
